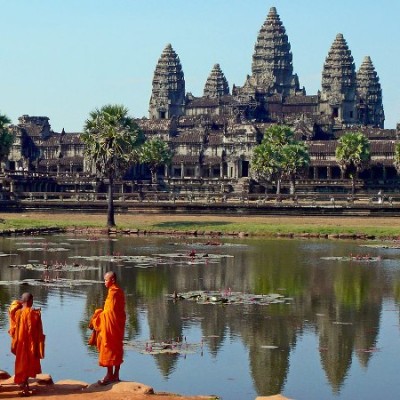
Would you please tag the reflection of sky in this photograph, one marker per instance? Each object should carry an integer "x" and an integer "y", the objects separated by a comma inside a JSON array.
[
  {"x": 226, "y": 372},
  {"x": 379, "y": 380}
]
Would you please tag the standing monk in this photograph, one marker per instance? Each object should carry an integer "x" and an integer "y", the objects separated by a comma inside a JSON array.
[
  {"x": 109, "y": 328},
  {"x": 27, "y": 340}
]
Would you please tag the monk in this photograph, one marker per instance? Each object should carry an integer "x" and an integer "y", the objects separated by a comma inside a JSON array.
[
  {"x": 108, "y": 326},
  {"x": 27, "y": 340}
]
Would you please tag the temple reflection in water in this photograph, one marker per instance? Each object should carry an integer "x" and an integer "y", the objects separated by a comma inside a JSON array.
[{"x": 338, "y": 302}]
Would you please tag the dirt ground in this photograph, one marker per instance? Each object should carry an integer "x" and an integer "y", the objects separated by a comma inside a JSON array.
[{"x": 42, "y": 388}]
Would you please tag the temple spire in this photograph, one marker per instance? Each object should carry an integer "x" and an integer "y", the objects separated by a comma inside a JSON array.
[
  {"x": 168, "y": 93},
  {"x": 369, "y": 93},
  {"x": 339, "y": 83},
  {"x": 216, "y": 84},
  {"x": 272, "y": 67}
]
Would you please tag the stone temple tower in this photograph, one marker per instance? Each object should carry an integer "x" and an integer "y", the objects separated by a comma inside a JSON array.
[
  {"x": 216, "y": 84},
  {"x": 338, "y": 96},
  {"x": 369, "y": 95},
  {"x": 272, "y": 68},
  {"x": 168, "y": 93}
]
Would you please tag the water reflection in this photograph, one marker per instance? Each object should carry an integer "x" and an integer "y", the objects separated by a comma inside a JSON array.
[{"x": 339, "y": 303}]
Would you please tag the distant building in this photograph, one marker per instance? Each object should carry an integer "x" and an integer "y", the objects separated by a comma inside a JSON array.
[{"x": 213, "y": 136}]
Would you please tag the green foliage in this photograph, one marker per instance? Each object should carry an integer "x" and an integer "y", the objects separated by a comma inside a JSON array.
[
  {"x": 279, "y": 156},
  {"x": 111, "y": 139},
  {"x": 154, "y": 153},
  {"x": 353, "y": 149},
  {"x": 353, "y": 154},
  {"x": 396, "y": 161},
  {"x": 15, "y": 221},
  {"x": 6, "y": 137}
]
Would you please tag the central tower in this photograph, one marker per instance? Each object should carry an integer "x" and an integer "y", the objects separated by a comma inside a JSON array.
[{"x": 272, "y": 68}]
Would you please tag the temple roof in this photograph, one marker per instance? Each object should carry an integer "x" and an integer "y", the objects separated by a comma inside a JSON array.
[
  {"x": 272, "y": 59},
  {"x": 339, "y": 70},
  {"x": 216, "y": 84},
  {"x": 368, "y": 86}
]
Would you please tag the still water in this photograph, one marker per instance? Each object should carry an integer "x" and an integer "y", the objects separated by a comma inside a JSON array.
[{"x": 336, "y": 337}]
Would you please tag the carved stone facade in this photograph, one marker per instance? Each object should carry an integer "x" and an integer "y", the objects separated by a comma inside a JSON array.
[
  {"x": 213, "y": 136},
  {"x": 168, "y": 94},
  {"x": 272, "y": 92}
]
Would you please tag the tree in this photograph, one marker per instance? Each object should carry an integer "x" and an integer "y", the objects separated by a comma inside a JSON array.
[
  {"x": 6, "y": 137},
  {"x": 295, "y": 159},
  {"x": 154, "y": 153},
  {"x": 353, "y": 154},
  {"x": 279, "y": 156},
  {"x": 111, "y": 141},
  {"x": 396, "y": 161}
]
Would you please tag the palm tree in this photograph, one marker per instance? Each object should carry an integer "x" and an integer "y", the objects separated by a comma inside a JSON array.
[
  {"x": 353, "y": 154},
  {"x": 6, "y": 137},
  {"x": 295, "y": 158},
  {"x": 111, "y": 140},
  {"x": 154, "y": 153},
  {"x": 265, "y": 165},
  {"x": 278, "y": 156}
]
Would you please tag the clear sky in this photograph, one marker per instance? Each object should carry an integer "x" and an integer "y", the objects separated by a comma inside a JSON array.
[{"x": 64, "y": 58}]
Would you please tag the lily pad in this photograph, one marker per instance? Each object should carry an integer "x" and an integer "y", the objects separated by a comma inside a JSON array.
[
  {"x": 229, "y": 297},
  {"x": 171, "y": 347},
  {"x": 57, "y": 267},
  {"x": 56, "y": 283}
]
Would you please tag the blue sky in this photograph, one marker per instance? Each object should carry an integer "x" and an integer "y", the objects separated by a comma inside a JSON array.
[{"x": 63, "y": 58}]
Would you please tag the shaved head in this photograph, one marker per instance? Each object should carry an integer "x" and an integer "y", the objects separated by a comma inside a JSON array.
[
  {"x": 27, "y": 298},
  {"x": 111, "y": 275}
]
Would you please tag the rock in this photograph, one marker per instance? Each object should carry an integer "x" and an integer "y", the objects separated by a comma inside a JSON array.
[
  {"x": 275, "y": 397},
  {"x": 4, "y": 375},
  {"x": 122, "y": 387},
  {"x": 44, "y": 379},
  {"x": 69, "y": 384},
  {"x": 132, "y": 387}
]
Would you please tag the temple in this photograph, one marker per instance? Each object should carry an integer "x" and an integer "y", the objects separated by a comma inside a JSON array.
[{"x": 213, "y": 135}]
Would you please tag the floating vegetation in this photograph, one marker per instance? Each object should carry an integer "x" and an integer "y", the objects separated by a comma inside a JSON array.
[
  {"x": 210, "y": 243},
  {"x": 369, "y": 350},
  {"x": 191, "y": 258},
  {"x": 7, "y": 254},
  {"x": 30, "y": 238},
  {"x": 381, "y": 246},
  {"x": 358, "y": 258},
  {"x": 59, "y": 267},
  {"x": 41, "y": 243},
  {"x": 168, "y": 347},
  {"x": 92, "y": 239},
  {"x": 44, "y": 248},
  {"x": 57, "y": 283},
  {"x": 229, "y": 297}
]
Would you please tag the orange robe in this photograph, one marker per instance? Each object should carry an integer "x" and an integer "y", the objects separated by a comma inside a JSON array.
[
  {"x": 27, "y": 341},
  {"x": 109, "y": 325}
]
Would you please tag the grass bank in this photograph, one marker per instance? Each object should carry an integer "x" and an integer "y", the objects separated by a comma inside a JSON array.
[{"x": 253, "y": 225}]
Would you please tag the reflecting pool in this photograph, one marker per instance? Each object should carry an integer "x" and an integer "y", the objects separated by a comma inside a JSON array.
[{"x": 334, "y": 334}]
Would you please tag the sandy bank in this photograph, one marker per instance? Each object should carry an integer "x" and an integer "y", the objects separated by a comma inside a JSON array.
[{"x": 43, "y": 388}]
